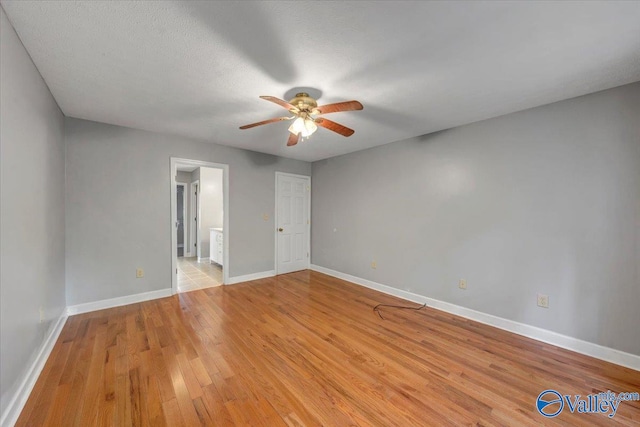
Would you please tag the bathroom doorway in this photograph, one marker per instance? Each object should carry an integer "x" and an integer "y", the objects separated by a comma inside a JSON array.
[
  {"x": 180, "y": 213},
  {"x": 203, "y": 231}
]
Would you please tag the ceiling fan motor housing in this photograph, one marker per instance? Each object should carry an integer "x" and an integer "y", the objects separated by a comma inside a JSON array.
[{"x": 303, "y": 102}]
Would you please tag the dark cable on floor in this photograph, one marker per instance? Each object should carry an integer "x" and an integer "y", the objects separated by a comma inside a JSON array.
[{"x": 377, "y": 308}]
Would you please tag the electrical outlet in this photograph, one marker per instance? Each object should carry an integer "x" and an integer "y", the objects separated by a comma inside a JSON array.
[
  {"x": 265, "y": 216},
  {"x": 139, "y": 273},
  {"x": 374, "y": 264},
  {"x": 543, "y": 301},
  {"x": 462, "y": 284}
]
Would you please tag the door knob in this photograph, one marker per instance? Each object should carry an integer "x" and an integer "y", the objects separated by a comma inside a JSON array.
[{"x": 281, "y": 229}]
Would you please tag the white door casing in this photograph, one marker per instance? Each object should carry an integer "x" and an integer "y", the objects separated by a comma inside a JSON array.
[
  {"x": 293, "y": 224},
  {"x": 196, "y": 220},
  {"x": 193, "y": 224}
]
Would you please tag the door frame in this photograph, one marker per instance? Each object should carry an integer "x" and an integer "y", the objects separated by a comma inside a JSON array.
[
  {"x": 275, "y": 257},
  {"x": 194, "y": 209},
  {"x": 184, "y": 216},
  {"x": 174, "y": 163}
]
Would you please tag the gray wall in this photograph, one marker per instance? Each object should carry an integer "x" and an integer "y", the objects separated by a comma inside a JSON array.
[
  {"x": 184, "y": 177},
  {"x": 541, "y": 201},
  {"x": 195, "y": 175},
  {"x": 118, "y": 207},
  {"x": 31, "y": 211}
]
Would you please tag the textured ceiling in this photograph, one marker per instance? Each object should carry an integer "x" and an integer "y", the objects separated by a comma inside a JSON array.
[{"x": 197, "y": 68}]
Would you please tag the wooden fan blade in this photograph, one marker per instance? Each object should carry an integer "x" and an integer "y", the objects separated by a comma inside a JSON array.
[
  {"x": 338, "y": 106},
  {"x": 265, "y": 122},
  {"x": 336, "y": 127},
  {"x": 293, "y": 139},
  {"x": 280, "y": 102}
]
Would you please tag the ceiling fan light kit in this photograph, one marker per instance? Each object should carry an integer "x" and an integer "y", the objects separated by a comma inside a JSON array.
[
  {"x": 304, "y": 127},
  {"x": 305, "y": 111}
]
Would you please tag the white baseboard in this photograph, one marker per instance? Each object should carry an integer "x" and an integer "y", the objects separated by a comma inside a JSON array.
[
  {"x": 253, "y": 276},
  {"x": 117, "y": 302},
  {"x": 203, "y": 259},
  {"x": 579, "y": 346},
  {"x": 14, "y": 408}
]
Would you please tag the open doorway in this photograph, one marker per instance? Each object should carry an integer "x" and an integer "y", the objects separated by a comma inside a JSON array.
[
  {"x": 180, "y": 214},
  {"x": 204, "y": 259}
]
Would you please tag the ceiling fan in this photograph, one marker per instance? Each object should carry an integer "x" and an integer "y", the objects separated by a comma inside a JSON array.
[{"x": 305, "y": 111}]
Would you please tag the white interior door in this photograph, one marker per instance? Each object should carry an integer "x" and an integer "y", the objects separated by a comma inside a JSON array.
[
  {"x": 293, "y": 197},
  {"x": 195, "y": 213}
]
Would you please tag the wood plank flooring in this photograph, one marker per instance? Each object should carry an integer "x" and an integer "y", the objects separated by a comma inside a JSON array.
[{"x": 305, "y": 349}]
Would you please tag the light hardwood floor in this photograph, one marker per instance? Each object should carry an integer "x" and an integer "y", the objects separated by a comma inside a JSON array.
[{"x": 305, "y": 349}]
